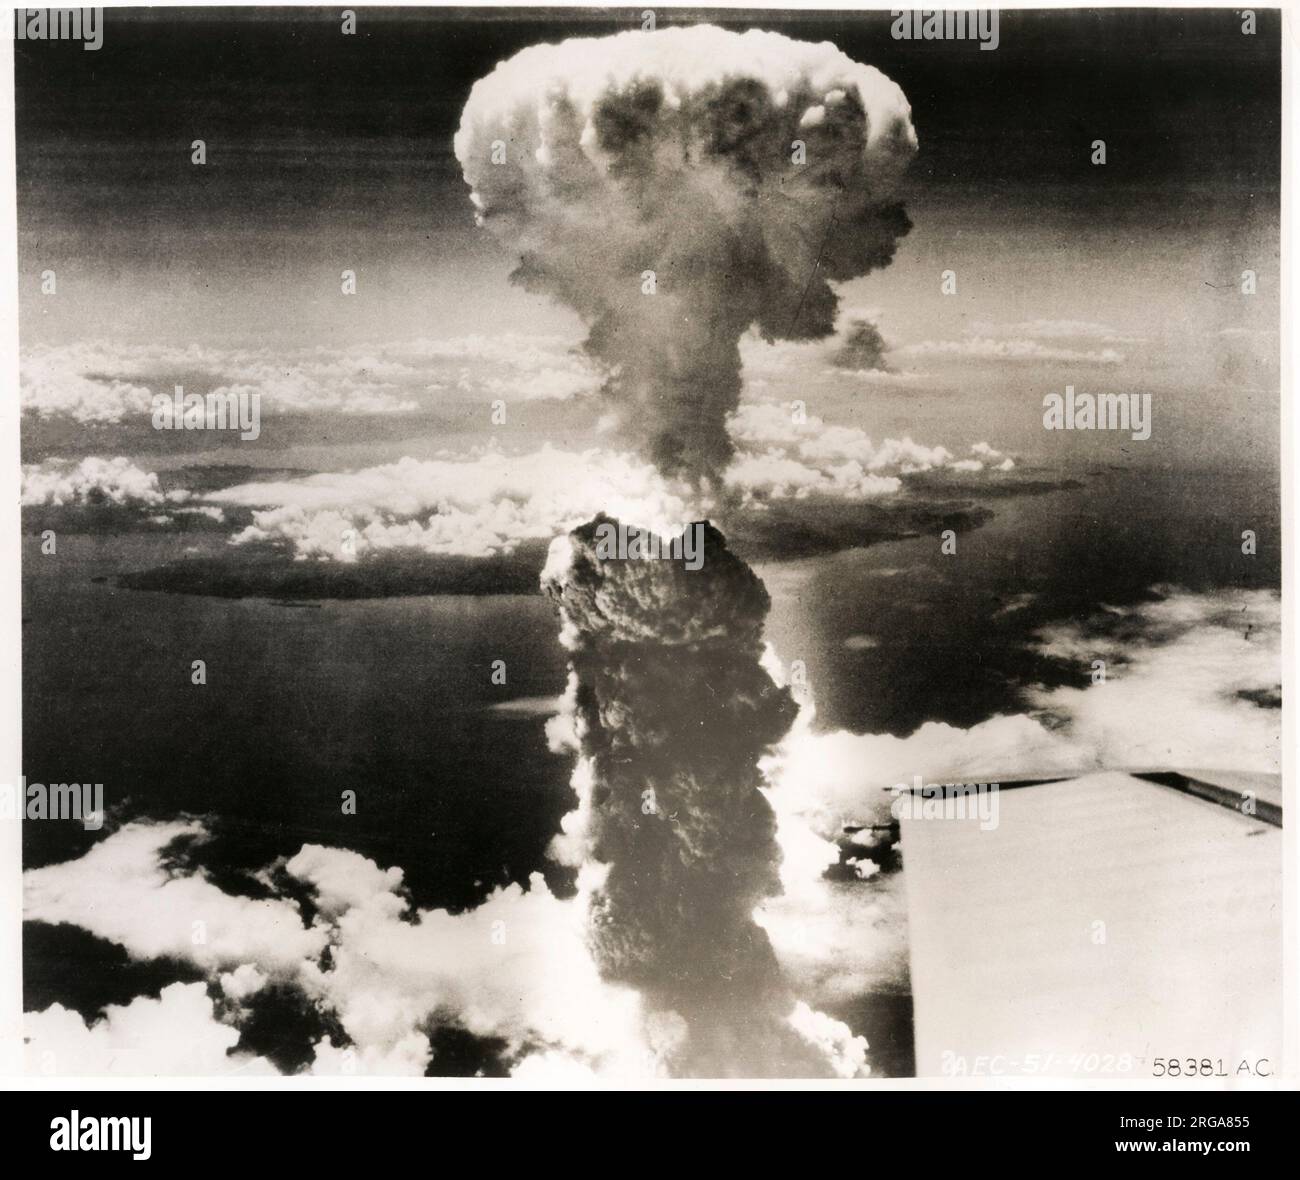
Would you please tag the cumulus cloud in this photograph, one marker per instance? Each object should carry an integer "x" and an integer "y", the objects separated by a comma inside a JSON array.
[
  {"x": 123, "y": 891},
  {"x": 672, "y": 152},
  {"x": 1193, "y": 667},
  {"x": 1201, "y": 671},
  {"x": 102, "y": 382},
  {"x": 242, "y": 982},
  {"x": 986, "y": 455},
  {"x": 480, "y": 522},
  {"x": 489, "y": 502},
  {"x": 106, "y": 495},
  {"x": 92, "y": 480},
  {"x": 178, "y": 1033},
  {"x": 846, "y": 1053},
  {"x": 72, "y": 381},
  {"x": 473, "y": 506},
  {"x": 516, "y": 968},
  {"x": 787, "y": 455}
]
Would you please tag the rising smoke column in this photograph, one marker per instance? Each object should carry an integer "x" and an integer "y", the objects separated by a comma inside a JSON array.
[
  {"x": 671, "y": 711},
  {"x": 863, "y": 349},
  {"x": 678, "y": 152}
]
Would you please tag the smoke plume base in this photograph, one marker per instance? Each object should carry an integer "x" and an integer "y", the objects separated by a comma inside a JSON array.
[{"x": 671, "y": 710}]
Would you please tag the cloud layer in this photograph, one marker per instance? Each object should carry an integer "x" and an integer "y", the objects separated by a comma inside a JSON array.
[
  {"x": 113, "y": 493},
  {"x": 515, "y": 968},
  {"x": 488, "y": 503},
  {"x": 102, "y": 383}
]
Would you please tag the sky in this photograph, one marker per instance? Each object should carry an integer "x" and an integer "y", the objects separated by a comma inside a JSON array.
[
  {"x": 350, "y": 574},
  {"x": 329, "y": 152}
]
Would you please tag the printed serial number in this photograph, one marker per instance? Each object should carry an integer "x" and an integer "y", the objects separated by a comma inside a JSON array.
[
  {"x": 955, "y": 1065},
  {"x": 1209, "y": 1067}
]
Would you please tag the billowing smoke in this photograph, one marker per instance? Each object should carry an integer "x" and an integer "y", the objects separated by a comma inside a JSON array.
[
  {"x": 863, "y": 348},
  {"x": 671, "y": 710},
  {"x": 677, "y": 187}
]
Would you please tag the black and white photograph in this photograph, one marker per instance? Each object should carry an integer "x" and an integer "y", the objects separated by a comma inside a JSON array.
[{"x": 580, "y": 548}]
